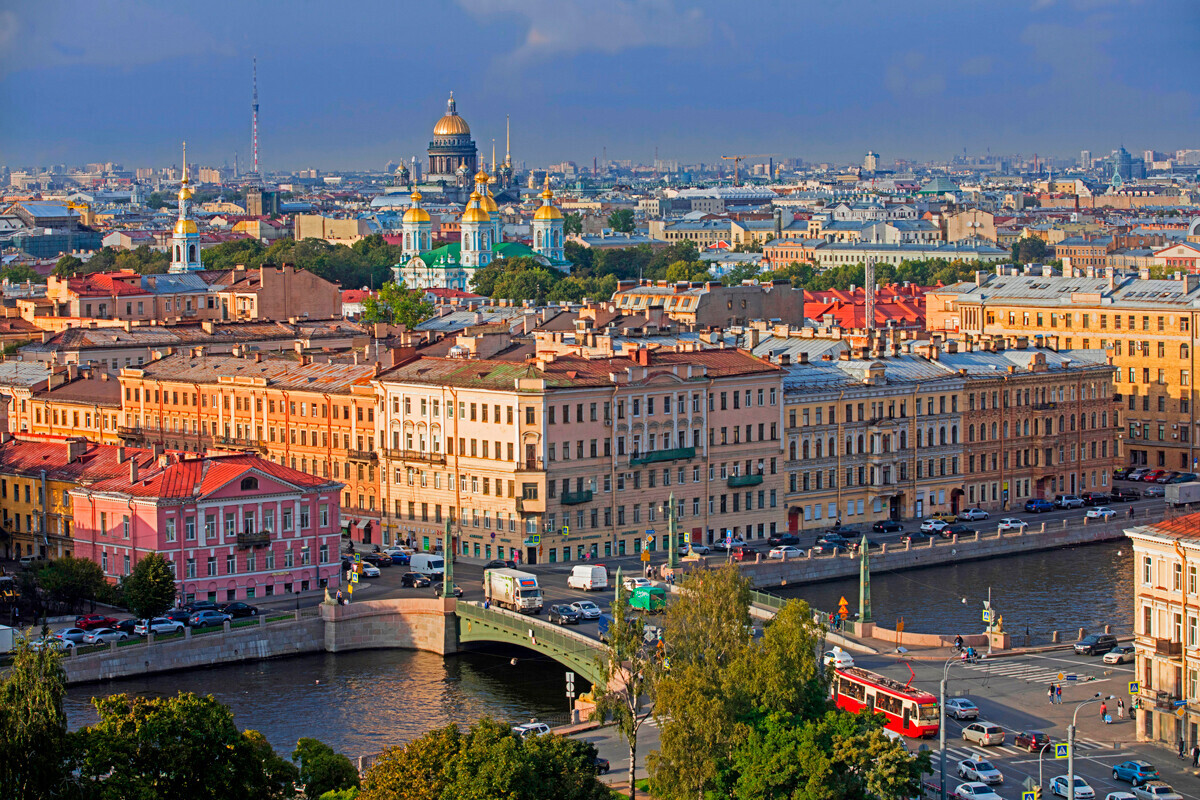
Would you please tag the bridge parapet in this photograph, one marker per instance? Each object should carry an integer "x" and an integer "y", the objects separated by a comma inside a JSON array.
[{"x": 574, "y": 650}]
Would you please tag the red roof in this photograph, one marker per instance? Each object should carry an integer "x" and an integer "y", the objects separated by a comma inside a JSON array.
[
  {"x": 1185, "y": 527},
  {"x": 194, "y": 478},
  {"x": 453, "y": 294},
  {"x": 29, "y": 454},
  {"x": 107, "y": 284},
  {"x": 355, "y": 295}
]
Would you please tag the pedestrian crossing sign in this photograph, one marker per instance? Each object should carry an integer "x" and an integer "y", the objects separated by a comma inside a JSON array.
[
  {"x": 987, "y": 615},
  {"x": 1062, "y": 751},
  {"x": 1028, "y": 795},
  {"x": 1134, "y": 687}
]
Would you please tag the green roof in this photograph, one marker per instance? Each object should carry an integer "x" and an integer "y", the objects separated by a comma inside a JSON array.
[
  {"x": 449, "y": 254},
  {"x": 939, "y": 185}
]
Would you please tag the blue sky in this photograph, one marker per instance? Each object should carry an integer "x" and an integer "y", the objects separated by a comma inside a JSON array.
[{"x": 355, "y": 84}]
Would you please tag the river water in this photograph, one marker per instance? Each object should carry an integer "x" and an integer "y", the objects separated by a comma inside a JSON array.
[
  {"x": 1087, "y": 586},
  {"x": 363, "y": 702}
]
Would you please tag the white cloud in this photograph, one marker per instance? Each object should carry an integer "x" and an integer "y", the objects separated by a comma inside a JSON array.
[{"x": 568, "y": 27}]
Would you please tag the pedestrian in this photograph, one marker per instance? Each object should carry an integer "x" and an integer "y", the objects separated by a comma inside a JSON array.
[
  {"x": 1050, "y": 693},
  {"x": 1120, "y": 708},
  {"x": 1182, "y": 748},
  {"x": 1196, "y": 755},
  {"x": 1103, "y": 710},
  {"x": 958, "y": 642},
  {"x": 1058, "y": 694}
]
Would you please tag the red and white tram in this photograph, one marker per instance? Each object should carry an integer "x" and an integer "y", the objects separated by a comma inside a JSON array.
[{"x": 909, "y": 711}]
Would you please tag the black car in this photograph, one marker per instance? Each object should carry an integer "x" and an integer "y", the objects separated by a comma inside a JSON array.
[
  {"x": 783, "y": 539},
  {"x": 887, "y": 526},
  {"x": 833, "y": 538},
  {"x": 378, "y": 559},
  {"x": 200, "y": 605},
  {"x": 178, "y": 615},
  {"x": 415, "y": 579},
  {"x": 1096, "y": 644},
  {"x": 499, "y": 564},
  {"x": 124, "y": 625},
  {"x": 950, "y": 530},
  {"x": 439, "y": 589},
  {"x": 1095, "y": 498},
  {"x": 239, "y": 609},
  {"x": 1121, "y": 473},
  {"x": 563, "y": 615},
  {"x": 601, "y": 765},
  {"x": 1122, "y": 495}
]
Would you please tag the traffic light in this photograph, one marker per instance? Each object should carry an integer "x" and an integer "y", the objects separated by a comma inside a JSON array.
[{"x": 1037, "y": 793}]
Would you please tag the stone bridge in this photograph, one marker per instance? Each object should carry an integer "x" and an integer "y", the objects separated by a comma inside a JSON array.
[{"x": 571, "y": 649}]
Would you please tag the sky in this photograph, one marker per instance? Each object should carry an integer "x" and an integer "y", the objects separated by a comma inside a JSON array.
[{"x": 353, "y": 85}]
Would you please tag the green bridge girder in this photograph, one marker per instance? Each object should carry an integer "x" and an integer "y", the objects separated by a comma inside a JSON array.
[{"x": 575, "y": 651}]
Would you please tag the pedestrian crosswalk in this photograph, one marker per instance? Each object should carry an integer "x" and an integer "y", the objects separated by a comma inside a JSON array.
[
  {"x": 958, "y": 753},
  {"x": 1030, "y": 673}
]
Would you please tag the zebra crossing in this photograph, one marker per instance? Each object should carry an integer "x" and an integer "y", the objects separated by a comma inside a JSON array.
[
  {"x": 958, "y": 753},
  {"x": 1030, "y": 673}
]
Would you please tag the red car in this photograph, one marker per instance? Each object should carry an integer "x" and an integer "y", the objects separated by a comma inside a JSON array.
[
  {"x": 90, "y": 621},
  {"x": 1153, "y": 476}
]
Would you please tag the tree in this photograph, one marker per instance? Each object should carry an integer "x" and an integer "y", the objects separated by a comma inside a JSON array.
[
  {"x": 415, "y": 771},
  {"x": 627, "y": 674},
  {"x": 621, "y": 220},
  {"x": 21, "y": 273},
  {"x": 397, "y": 305},
  {"x": 34, "y": 744},
  {"x": 150, "y": 589},
  {"x": 572, "y": 223},
  {"x": 67, "y": 265},
  {"x": 1028, "y": 250},
  {"x": 71, "y": 580},
  {"x": 322, "y": 769}
]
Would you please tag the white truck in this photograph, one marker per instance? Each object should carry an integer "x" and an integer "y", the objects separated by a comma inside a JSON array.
[
  {"x": 1179, "y": 494},
  {"x": 588, "y": 577},
  {"x": 513, "y": 589}
]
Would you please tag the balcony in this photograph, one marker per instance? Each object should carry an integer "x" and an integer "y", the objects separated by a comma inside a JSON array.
[
  {"x": 131, "y": 433},
  {"x": 1165, "y": 700},
  {"x": 530, "y": 465},
  {"x": 736, "y": 481},
  {"x": 675, "y": 454},
  {"x": 531, "y": 505},
  {"x": 1168, "y": 648},
  {"x": 575, "y": 498},
  {"x": 1044, "y": 406},
  {"x": 362, "y": 455},
  {"x": 241, "y": 444},
  {"x": 412, "y": 455},
  {"x": 254, "y": 539}
]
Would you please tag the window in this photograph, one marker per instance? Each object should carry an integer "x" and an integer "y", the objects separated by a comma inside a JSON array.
[{"x": 249, "y": 484}]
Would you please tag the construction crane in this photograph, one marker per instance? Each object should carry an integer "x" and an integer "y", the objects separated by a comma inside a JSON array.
[{"x": 738, "y": 159}]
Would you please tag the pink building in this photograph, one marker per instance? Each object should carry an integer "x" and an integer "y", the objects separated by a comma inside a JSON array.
[{"x": 234, "y": 527}]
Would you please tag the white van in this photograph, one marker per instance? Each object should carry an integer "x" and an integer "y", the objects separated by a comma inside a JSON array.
[
  {"x": 588, "y": 577},
  {"x": 427, "y": 564}
]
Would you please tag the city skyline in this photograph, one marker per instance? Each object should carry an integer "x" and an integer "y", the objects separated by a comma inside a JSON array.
[{"x": 685, "y": 79}]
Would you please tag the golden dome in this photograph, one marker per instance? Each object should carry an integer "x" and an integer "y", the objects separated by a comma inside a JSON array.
[
  {"x": 185, "y": 192},
  {"x": 547, "y": 212},
  {"x": 482, "y": 177},
  {"x": 488, "y": 204},
  {"x": 451, "y": 124},
  {"x": 416, "y": 215},
  {"x": 184, "y": 227},
  {"x": 474, "y": 213}
]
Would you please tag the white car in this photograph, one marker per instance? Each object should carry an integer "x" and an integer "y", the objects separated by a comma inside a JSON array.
[
  {"x": 158, "y": 625},
  {"x": 633, "y": 583},
  {"x": 369, "y": 570},
  {"x": 1083, "y": 791},
  {"x": 934, "y": 525},
  {"x": 785, "y": 552},
  {"x": 961, "y": 708},
  {"x": 838, "y": 659},
  {"x": 1156, "y": 790},
  {"x": 1119, "y": 796},
  {"x": 531, "y": 729},
  {"x": 51, "y": 642},
  {"x": 694, "y": 547},
  {"x": 1100, "y": 512},
  {"x": 1121, "y": 654},
  {"x": 104, "y": 636},
  {"x": 1012, "y": 524},
  {"x": 972, "y": 514},
  {"x": 975, "y": 791},
  {"x": 979, "y": 769},
  {"x": 587, "y": 609}
]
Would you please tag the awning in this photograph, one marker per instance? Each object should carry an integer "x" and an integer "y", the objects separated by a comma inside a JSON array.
[{"x": 362, "y": 524}]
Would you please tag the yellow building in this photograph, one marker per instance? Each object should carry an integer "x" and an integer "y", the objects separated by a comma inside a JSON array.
[{"x": 71, "y": 402}]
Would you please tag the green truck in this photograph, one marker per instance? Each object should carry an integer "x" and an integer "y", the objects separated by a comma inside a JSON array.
[{"x": 651, "y": 599}]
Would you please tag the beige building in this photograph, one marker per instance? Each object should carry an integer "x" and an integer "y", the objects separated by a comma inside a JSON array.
[{"x": 334, "y": 231}]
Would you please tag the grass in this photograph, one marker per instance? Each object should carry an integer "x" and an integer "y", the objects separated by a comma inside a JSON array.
[
  {"x": 278, "y": 617},
  {"x": 244, "y": 623}
]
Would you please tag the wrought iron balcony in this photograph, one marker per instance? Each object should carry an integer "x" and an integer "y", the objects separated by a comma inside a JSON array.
[
  {"x": 744, "y": 480},
  {"x": 575, "y": 498},
  {"x": 655, "y": 456},
  {"x": 413, "y": 455},
  {"x": 254, "y": 539},
  {"x": 530, "y": 465},
  {"x": 362, "y": 455}
]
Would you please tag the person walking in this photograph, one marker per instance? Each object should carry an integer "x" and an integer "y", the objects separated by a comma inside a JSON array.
[
  {"x": 1050, "y": 692},
  {"x": 1058, "y": 694},
  {"x": 1120, "y": 708},
  {"x": 1103, "y": 710},
  {"x": 1182, "y": 748},
  {"x": 1196, "y": 755}
]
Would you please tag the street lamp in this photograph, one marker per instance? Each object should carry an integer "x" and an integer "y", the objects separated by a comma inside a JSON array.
[
  {"x": 942, "y": 722},
  {"x": 1041, "y": 753},
  {"x": 1071, "y": 741}
]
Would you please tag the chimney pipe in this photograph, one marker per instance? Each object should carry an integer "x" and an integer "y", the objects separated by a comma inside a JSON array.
[{"x": 133, "y": 470}]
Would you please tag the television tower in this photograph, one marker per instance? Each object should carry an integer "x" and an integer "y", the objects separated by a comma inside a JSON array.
[{"x": 254, "y": 117}]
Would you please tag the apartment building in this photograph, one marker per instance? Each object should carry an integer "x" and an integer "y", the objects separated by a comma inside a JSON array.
[
  {"x": 316, "y": 418},
  {"x": 711, "y": 305},
  {"x": 1148, "y": 325},
  {"x": 1166, "y": 608},
  {"x": 71, "y": 401},
  {"x": 562, "y": 457}
]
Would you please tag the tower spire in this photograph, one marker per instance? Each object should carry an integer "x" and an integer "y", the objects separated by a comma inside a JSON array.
[
  {"x": 493, "y": 157},
  {"x": 507, "y": 142},
  {"x": 254, "y": 112}
]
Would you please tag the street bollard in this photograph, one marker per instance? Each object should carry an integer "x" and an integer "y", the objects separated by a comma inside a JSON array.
[
  {"x": 908, "y": 545},
  {"x": 977, "y": 536},
  {"x": 954, "y": 539},
  {"x": 1108, "y": 628}
]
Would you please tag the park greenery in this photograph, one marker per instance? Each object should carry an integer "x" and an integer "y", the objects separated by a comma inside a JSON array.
[
  {"x": 141, "y": 260},
  {"x": 149, "y": 589},
  {"x": 396, "y": 305},
  {"x": 742, "y": 716},
  {"x": 365, "y": 264}
]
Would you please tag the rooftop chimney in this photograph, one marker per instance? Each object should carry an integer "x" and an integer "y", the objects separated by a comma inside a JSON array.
[{"x": 133, "y": 470}]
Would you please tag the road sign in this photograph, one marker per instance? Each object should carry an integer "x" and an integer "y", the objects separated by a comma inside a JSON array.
[
  {"x": 1180, "y": 703},
  {"x": 566, "y": 531},
  {"x": 645, "y": 555},
  {"x": 536, "y": 539},
  {"x": 1061, "y": 676},
  {"x": 1029, "y": 783},
  {"x": 1062, "y": 751},
  {"x": 1072, "y": 677},
  {"x": 843, "y": 608},
  {"x": 1179, "y": 712},
  {"x": 354, "y": 577},
  {"x": 1134, "y": 687},
  {"x": 1030, "y": 795},
  {"x": 987, "y": 615}
]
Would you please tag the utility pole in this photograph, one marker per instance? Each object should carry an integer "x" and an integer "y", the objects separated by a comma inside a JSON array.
[
  {"x": 673, "y": 534},
  {"x": 448, "y": 558}
]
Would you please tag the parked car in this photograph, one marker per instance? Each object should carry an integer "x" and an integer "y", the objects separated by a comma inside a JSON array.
[
  {"x": 933, "y": 525},
  {"x": 887, "y": 526},
  {"x": 1081, "y": 789},
  {"x": 52, "y": 643},
  {"x": 125, "y": 625},
  {"x": 1095, "y": 644},
  {"x": 1152, "y": 476},
  {"x": 531, "y": 729},
  {"x": 563, "y": 615},
  {"x": 826, "y": 546},
  {"x": 1095, "y": 498},
  {"x": 439, "y": 589},
  {"x": 1121, "y": 473},
  {"x": 1119, "y": 796},
  {"x": 90, "y": 621},
  {"x": 238, "y": 610},
  {"x": 634, "y": 581},
  {"x": 918, "y": 535},
  {"x": 369, "y": 570},
  {"x": 1012, "y": 524},
  {"x": 586, "y": 609},
  {"x": 158, "y": 625},
  {"x": 415, "y": 580},
  {"x": 497, "y": 563},
  {"x": 104, "y": 636},
  {"x": 742, "y": 552},
  {"x": 950, "y": 531},
  {"x": 1121, "y": 494},
  {"x": 207, "y": 618},
  {"x": 1100, "y": 512},
  {"x": 1156, "y": 790},
  {"x": 786, "y": 552},
  {"x": 975, "y": 791},
  {"x": 1038, "y": 505},
  {"x": 602, "y": 766},
  {"x": 1153, "y": 491},
  {"x": 961, "y": 708},
  {"x": 1137, "y": 473},
  {"x": 972, "y": 514},
  {"x": 1121, "y": 654},
  {"x": 73, "y": 635},
  {"x": 694, "y": 547},
  {"x": 1184, "y": 477},
  {"x": 983, "y": 733},
  {"x": 1134, "y": 772},
  {"x": 200, "y": 605},
  {"x": 834, "y": 537},
  {"x": 1169, "y": 477},
  {"x": 177, "y": 615},
  {"x": 781, "y": 540},
  {"x": 1067, "y": 501},
  {"x": 979, "y": 769},
  {"x": 838, "y": 658},
  {"x": 1033, "y": 741}
]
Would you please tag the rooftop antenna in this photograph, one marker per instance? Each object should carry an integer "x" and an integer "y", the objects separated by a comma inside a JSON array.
[{"x": 254, "y": 114}]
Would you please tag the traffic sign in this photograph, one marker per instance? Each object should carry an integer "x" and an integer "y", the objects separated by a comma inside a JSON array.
[
  {"x": 1134, "y": 687},
  {"x": 1062, "y": 751},
  {"x": 536, "y": 539},
  {"x": 566, "y": 531},
  {"x": 354, "y": 577},
  {"x": 1180, "y": 703},
  {"x": 645, "y": 555},
  {"x": 843, "y": 608},
  {"x": 1029, "y": 783},
  {"x": 987, "y": 615},
  {"x": 1072, "y": 677},
  {"x": 1061, "y": 676},
  {"x": 1030, "y": 795}
]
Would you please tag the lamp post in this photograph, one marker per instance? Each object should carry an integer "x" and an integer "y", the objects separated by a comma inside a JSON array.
[
  {"x": 1071, "y": 742},
  {"x": 942, "y": 723},
  {"x": 1041, "y": 753}
]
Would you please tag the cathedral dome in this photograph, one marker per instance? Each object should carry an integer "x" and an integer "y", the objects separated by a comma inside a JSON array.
[
  {"x": 474, "y": 213},
  {"x": 416, "y": 213},
  {"x": 547, "y": 209},
  {"x": 184, "y": 227},
  {"x": 451, "y": 124}
]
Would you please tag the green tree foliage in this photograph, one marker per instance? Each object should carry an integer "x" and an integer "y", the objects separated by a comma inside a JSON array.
[
  {"x": 342, "y": 794},
  {"x": 574, "y": 290},
  {"x": 34, "y": 744},
  {"x": 1028, "y": 250},
  {"x": 397, "y": 305},
  {"x": 572, "y": 223},
  {"x": 168, "y": 748},
  {"x": 322, "y": 769},
  {"x": 150, "y": 589},
  {"x": 68, "y": 264},
  {"x": 71, "y": 580},
  {"x": 621, "y": 220},
  {"x": 520, "y": 278},
  {"x": 688, "y": 271},
  {"x": 141, "y": 259},
  {"x": 368, "y": 262},
  {"x": 21, "y": 273},
  {"x": 486, "y": 762}
]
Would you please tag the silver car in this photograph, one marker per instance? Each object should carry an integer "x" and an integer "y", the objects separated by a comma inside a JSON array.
[
  {"x": 979, "y": 769},
  {"x": 961, "y": 708},
  {"x": 105, "y": 636},
  {"x": 983, "y": 733}
]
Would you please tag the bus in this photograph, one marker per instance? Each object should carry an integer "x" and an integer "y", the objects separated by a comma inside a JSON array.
[{"x": 909, "y": 711}]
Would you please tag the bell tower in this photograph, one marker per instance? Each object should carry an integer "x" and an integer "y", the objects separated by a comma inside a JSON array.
[{"x": 185, "y": 241}]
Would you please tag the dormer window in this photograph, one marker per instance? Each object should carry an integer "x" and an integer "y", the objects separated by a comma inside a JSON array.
[{"x": 249, "y": 484}]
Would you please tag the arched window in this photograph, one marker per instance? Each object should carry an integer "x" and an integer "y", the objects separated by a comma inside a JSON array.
[
  {"x": 537, "y": 239},
  {"x": 1093, "y": 420},
  {"x": 191, "y": 252},
  {"x": 804, "y": 449},
  {"x": 1072, "y": 422},
  {"x": 249, "y": 484},
  {"x": 818, "y": 446},
  {"x": 942, "y": 435},
  {"x": 178, "y": 252},
  {"x": 953, "y": 434},
  {"x": 861, "y": 448},
  {"x": 903, "y": 440},
  {"x": 832, "y": 451},
  {"x": 1183, "y": 351},
  {"x": 849, "y": 446},
  {"x": 1062, "y": 424},
  {"x": 792, "y": 451},
  {"x": 970, "y": 433},
  {"x": 920, "y": 439}
]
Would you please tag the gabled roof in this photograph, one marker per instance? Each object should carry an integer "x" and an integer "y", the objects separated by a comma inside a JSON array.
[{"x": 196, "y": 478}]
